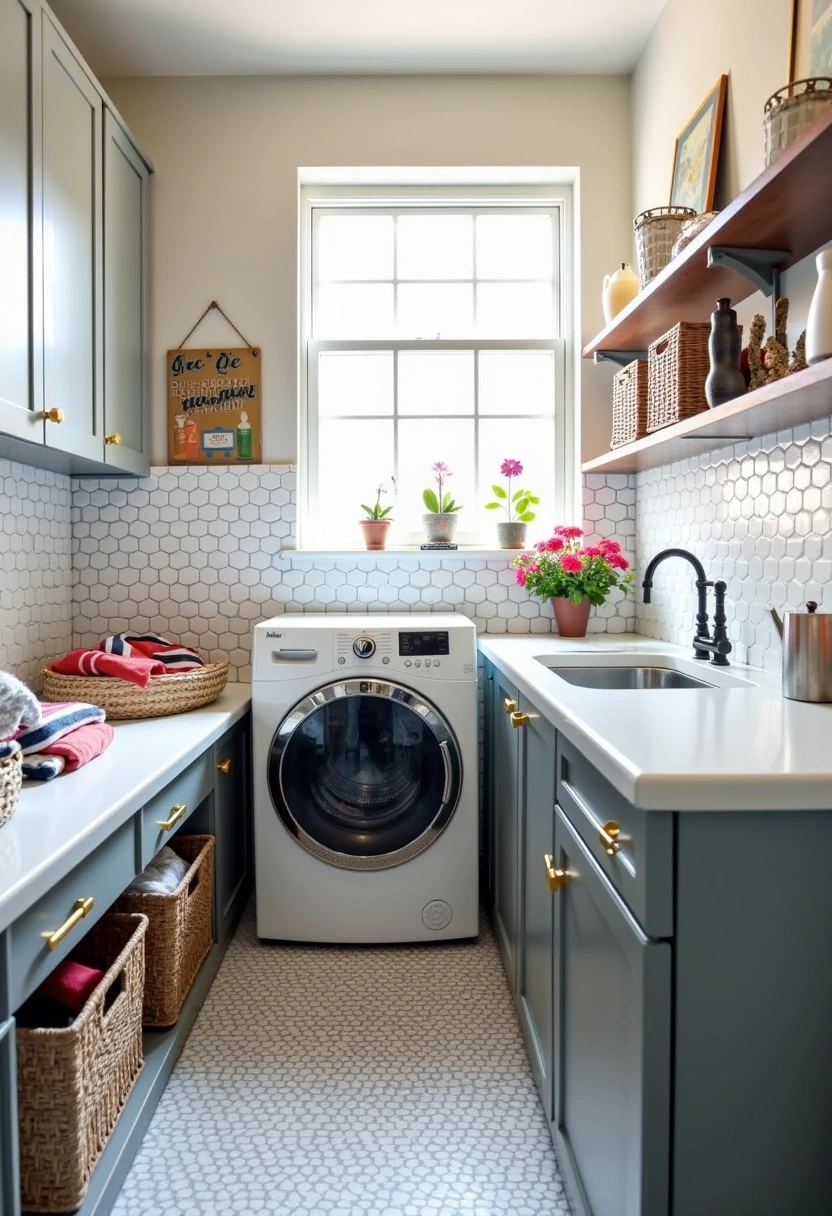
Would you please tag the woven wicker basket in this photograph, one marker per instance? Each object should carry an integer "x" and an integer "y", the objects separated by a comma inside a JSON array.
[
  {"x": 164, "y": 694},
  {"x": 179, "y": 933},
  {"x": 629, "y": 403},
  {"x": 656, "y": 232},
  {"x": 677, "y": 368},
  {"x": 789, "y": 111},
  {"x": 72, "y": 1083},
  {"x": 11, "y": 779}
]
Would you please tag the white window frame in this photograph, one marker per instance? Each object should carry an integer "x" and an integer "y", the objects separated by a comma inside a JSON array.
[{"x": 316, "y": 198}]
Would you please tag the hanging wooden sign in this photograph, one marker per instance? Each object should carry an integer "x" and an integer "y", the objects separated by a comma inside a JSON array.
[{"x": 213, "y": 405}]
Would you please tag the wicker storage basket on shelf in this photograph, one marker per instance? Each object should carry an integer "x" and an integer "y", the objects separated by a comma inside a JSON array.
[
  {"x": 11, "y": 779},
  {"x": 656, "y": 232},
  {"x": 179, "y": 931},
  {"x": 677, "y": 368},
  {"x": 72, "y": 1083},
  {"x": 172, "y": 694},
  {"x": 629, "y": 403},
  {"x": 789, "y": 111}
]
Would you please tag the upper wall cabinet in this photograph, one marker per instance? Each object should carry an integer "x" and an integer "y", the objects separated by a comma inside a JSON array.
[
  {"x": 125, "y": 288},
  {"x": 73, "y": 204}
]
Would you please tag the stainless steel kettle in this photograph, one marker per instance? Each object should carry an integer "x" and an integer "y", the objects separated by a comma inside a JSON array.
[{"x": 807, "y": 653}]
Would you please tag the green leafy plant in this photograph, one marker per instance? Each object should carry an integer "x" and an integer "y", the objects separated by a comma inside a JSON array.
[
  {"x": 377, "y": 512},
  {"x": 562, "y": 567},
  {"x": 439, "y": 501},
  {"x": 519, "y": 501}
]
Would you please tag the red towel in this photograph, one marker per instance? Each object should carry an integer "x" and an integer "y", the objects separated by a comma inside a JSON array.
[
  {"x": 81, "y": 745},
  {"x": 71, "y": 984},
  {"x": 135, "y": 669}
]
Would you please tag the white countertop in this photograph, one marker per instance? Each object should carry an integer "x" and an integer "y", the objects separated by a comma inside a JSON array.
[
  {"x": 745, "y": 748},
  {"x": 58, "y": 823}
]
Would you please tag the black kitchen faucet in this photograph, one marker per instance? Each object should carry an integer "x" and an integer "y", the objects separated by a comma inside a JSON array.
[{"x": 704, "y": 646}]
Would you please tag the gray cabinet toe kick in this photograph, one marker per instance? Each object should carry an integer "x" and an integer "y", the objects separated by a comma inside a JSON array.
[
  {"x": 670, "y": 975},
  {"x": 210, "y": 795}
]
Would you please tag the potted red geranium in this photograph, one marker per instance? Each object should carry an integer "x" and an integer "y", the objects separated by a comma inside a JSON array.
[{"x": 573, "y": 576}]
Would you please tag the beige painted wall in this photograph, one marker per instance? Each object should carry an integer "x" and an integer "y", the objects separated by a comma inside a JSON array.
[
  {"x": 224, "y": 201},
  {"x": 689, "y": 48}
]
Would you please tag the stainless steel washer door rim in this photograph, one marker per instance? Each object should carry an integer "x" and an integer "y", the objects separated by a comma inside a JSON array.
[{"x": 365, "y": 774}]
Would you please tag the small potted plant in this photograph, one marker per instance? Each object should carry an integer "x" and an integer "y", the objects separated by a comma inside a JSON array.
[
  {"x": 511, "y": 532},
  {"x": 440, "y": 523},
  {"x": 377, "y": 524},
  {"x": 573, "y": 576}
]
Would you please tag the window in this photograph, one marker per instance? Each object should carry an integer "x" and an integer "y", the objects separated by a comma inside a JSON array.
[{"x": 433, "y": 330}]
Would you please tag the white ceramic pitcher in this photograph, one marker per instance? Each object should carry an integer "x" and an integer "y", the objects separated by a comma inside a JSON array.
[{"x": 619, "y": 289}]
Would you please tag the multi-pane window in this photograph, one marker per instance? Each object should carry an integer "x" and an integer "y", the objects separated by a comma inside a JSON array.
[{"x": 435, "y": 333}]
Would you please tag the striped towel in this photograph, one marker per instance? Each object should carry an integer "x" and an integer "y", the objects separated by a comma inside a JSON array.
[
  {"x": 58, "y": 719},
  {"x": 134, "y": 668},
  {"x": 8, "y": 747},
  {"x": 176, "y": 658}
]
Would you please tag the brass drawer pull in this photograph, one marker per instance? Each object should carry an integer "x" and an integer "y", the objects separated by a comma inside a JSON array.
[
  {"x": 518, "y": 718},
  {"x": 608, "y": 836},
  {"x": 224, "y": 766},
  {"x": 509, "y": 705},
  {"x": 176, "y": 813},
  {"x": 53, "y": 415},
  {"x": 555, "y": 879},
  {"x": 115, "y": 438},
  {"x": 81, "y": 908}
]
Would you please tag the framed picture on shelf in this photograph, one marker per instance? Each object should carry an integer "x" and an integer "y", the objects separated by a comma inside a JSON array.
[
  {"x": 810, "y": 51},
  {"x": 697, "y": 153}
]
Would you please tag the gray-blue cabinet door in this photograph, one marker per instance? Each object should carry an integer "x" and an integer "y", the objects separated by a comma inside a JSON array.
[
  {"x": 613, "y": 1018},
  {"x": 125, "y": 288},
  {"x": 232, "y": 825},
  {"x": 9, "y": 1179},
  {"x": 537, "y": 817},
  {"x": 72, "y": 248},
  {"x": 19, "y": 130},
  {"x": 487, "y": 800},
  {"x": 506, "y": 840}
]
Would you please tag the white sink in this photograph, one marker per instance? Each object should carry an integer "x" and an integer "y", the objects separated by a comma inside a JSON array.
[{"x": 638, "y": 671}]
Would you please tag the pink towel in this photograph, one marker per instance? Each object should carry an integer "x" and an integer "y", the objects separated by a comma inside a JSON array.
[
  {"x": 81, "y": 745},
  {"x": 71, "y": 984},
  {"x": 137, "y": 669}
]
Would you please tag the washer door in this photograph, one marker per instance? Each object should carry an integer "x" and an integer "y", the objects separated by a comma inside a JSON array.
[{"x": 364, "y": 773}]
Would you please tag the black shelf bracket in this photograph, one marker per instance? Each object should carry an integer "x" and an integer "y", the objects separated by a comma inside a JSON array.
[
  {"x": 621, "y": 357},
  {"x": 759, "y": 266}
]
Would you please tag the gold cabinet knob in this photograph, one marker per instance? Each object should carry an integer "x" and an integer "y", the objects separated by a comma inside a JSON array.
[
  {"x": 224, "y": 766},
  {"x": 53, "y": 415},
  {"x": 608, "y": 836},
  {"x": 509, "y": 705},
  {"x": 80, "y": 909},
  {"x": 115, "y": 438},
  {"x": 176, "y": 813},
  {"x": 518, "y": 718},
  {"x": 555, "y": 878}
]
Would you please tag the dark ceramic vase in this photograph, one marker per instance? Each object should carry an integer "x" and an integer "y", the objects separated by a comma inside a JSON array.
[{"x": 725, "y": 380}]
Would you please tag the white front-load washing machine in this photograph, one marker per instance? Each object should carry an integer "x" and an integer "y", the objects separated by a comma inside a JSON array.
[{"x": 365, "y": 778}]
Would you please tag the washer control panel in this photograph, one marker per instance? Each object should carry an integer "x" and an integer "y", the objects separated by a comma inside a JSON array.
[
  {"x": 363, "y": 647},
  {"x": 426, "y": 652}
]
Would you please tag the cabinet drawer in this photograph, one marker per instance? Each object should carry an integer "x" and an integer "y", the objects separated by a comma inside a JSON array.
[
  {"x": 187, "y": 790},
  {"x": 638, "y": 857},
  {"x": 101, "y": 877}
]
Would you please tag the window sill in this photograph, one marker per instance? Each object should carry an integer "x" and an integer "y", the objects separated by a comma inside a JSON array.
[{"x": 404, "y": 552}]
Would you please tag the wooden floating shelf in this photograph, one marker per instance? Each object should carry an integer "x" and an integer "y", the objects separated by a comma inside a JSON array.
[
  {"x": 802, "y": 397},
  {"x": 786, "y": 207}
]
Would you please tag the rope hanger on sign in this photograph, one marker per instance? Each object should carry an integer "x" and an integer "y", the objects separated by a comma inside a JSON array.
[{"x": 225, "y": 315}]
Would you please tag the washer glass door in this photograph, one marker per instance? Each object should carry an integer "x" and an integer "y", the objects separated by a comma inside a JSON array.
[{"x": 364, "y": 773}]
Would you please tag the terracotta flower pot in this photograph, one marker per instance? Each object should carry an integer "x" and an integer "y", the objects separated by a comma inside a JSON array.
[
  {"x": 571, "y": 619},
  {"x": 375, "y": 532}
]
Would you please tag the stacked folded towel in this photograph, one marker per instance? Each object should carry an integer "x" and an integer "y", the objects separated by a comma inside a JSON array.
[
  {"x": 66, "y": 735},
  {"x": 17, "y": 705},
  {"x": 162, "y": 875},
  {"x": 134, "y": 657}
]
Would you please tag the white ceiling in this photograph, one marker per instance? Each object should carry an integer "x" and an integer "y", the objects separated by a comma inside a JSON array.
[{"x": 286, "y": 37}]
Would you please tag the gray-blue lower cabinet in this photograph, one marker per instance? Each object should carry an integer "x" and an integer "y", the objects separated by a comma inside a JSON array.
[
  {"x": 9, "y": 1183},
  {"x": 613, "y": 1054},
  {"x": 535, "y": 957},
  {"x": 506, "y": 833}
]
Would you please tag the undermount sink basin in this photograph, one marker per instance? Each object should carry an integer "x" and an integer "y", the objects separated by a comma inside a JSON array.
[{"x": 627, "y": 677}]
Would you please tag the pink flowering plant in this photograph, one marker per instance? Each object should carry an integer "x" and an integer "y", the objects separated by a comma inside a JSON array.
[
  {"x": 519, "y": 501},
  {"x": 563, "y": 567},
  {"x": 439, "y": 501}
]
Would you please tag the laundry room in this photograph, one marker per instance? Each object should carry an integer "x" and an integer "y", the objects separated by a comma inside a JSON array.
[{"x": 415, "y": 506}]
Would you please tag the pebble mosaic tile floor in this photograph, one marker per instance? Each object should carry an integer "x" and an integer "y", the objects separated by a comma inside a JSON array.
[{"x": 373, "y": 1081}]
